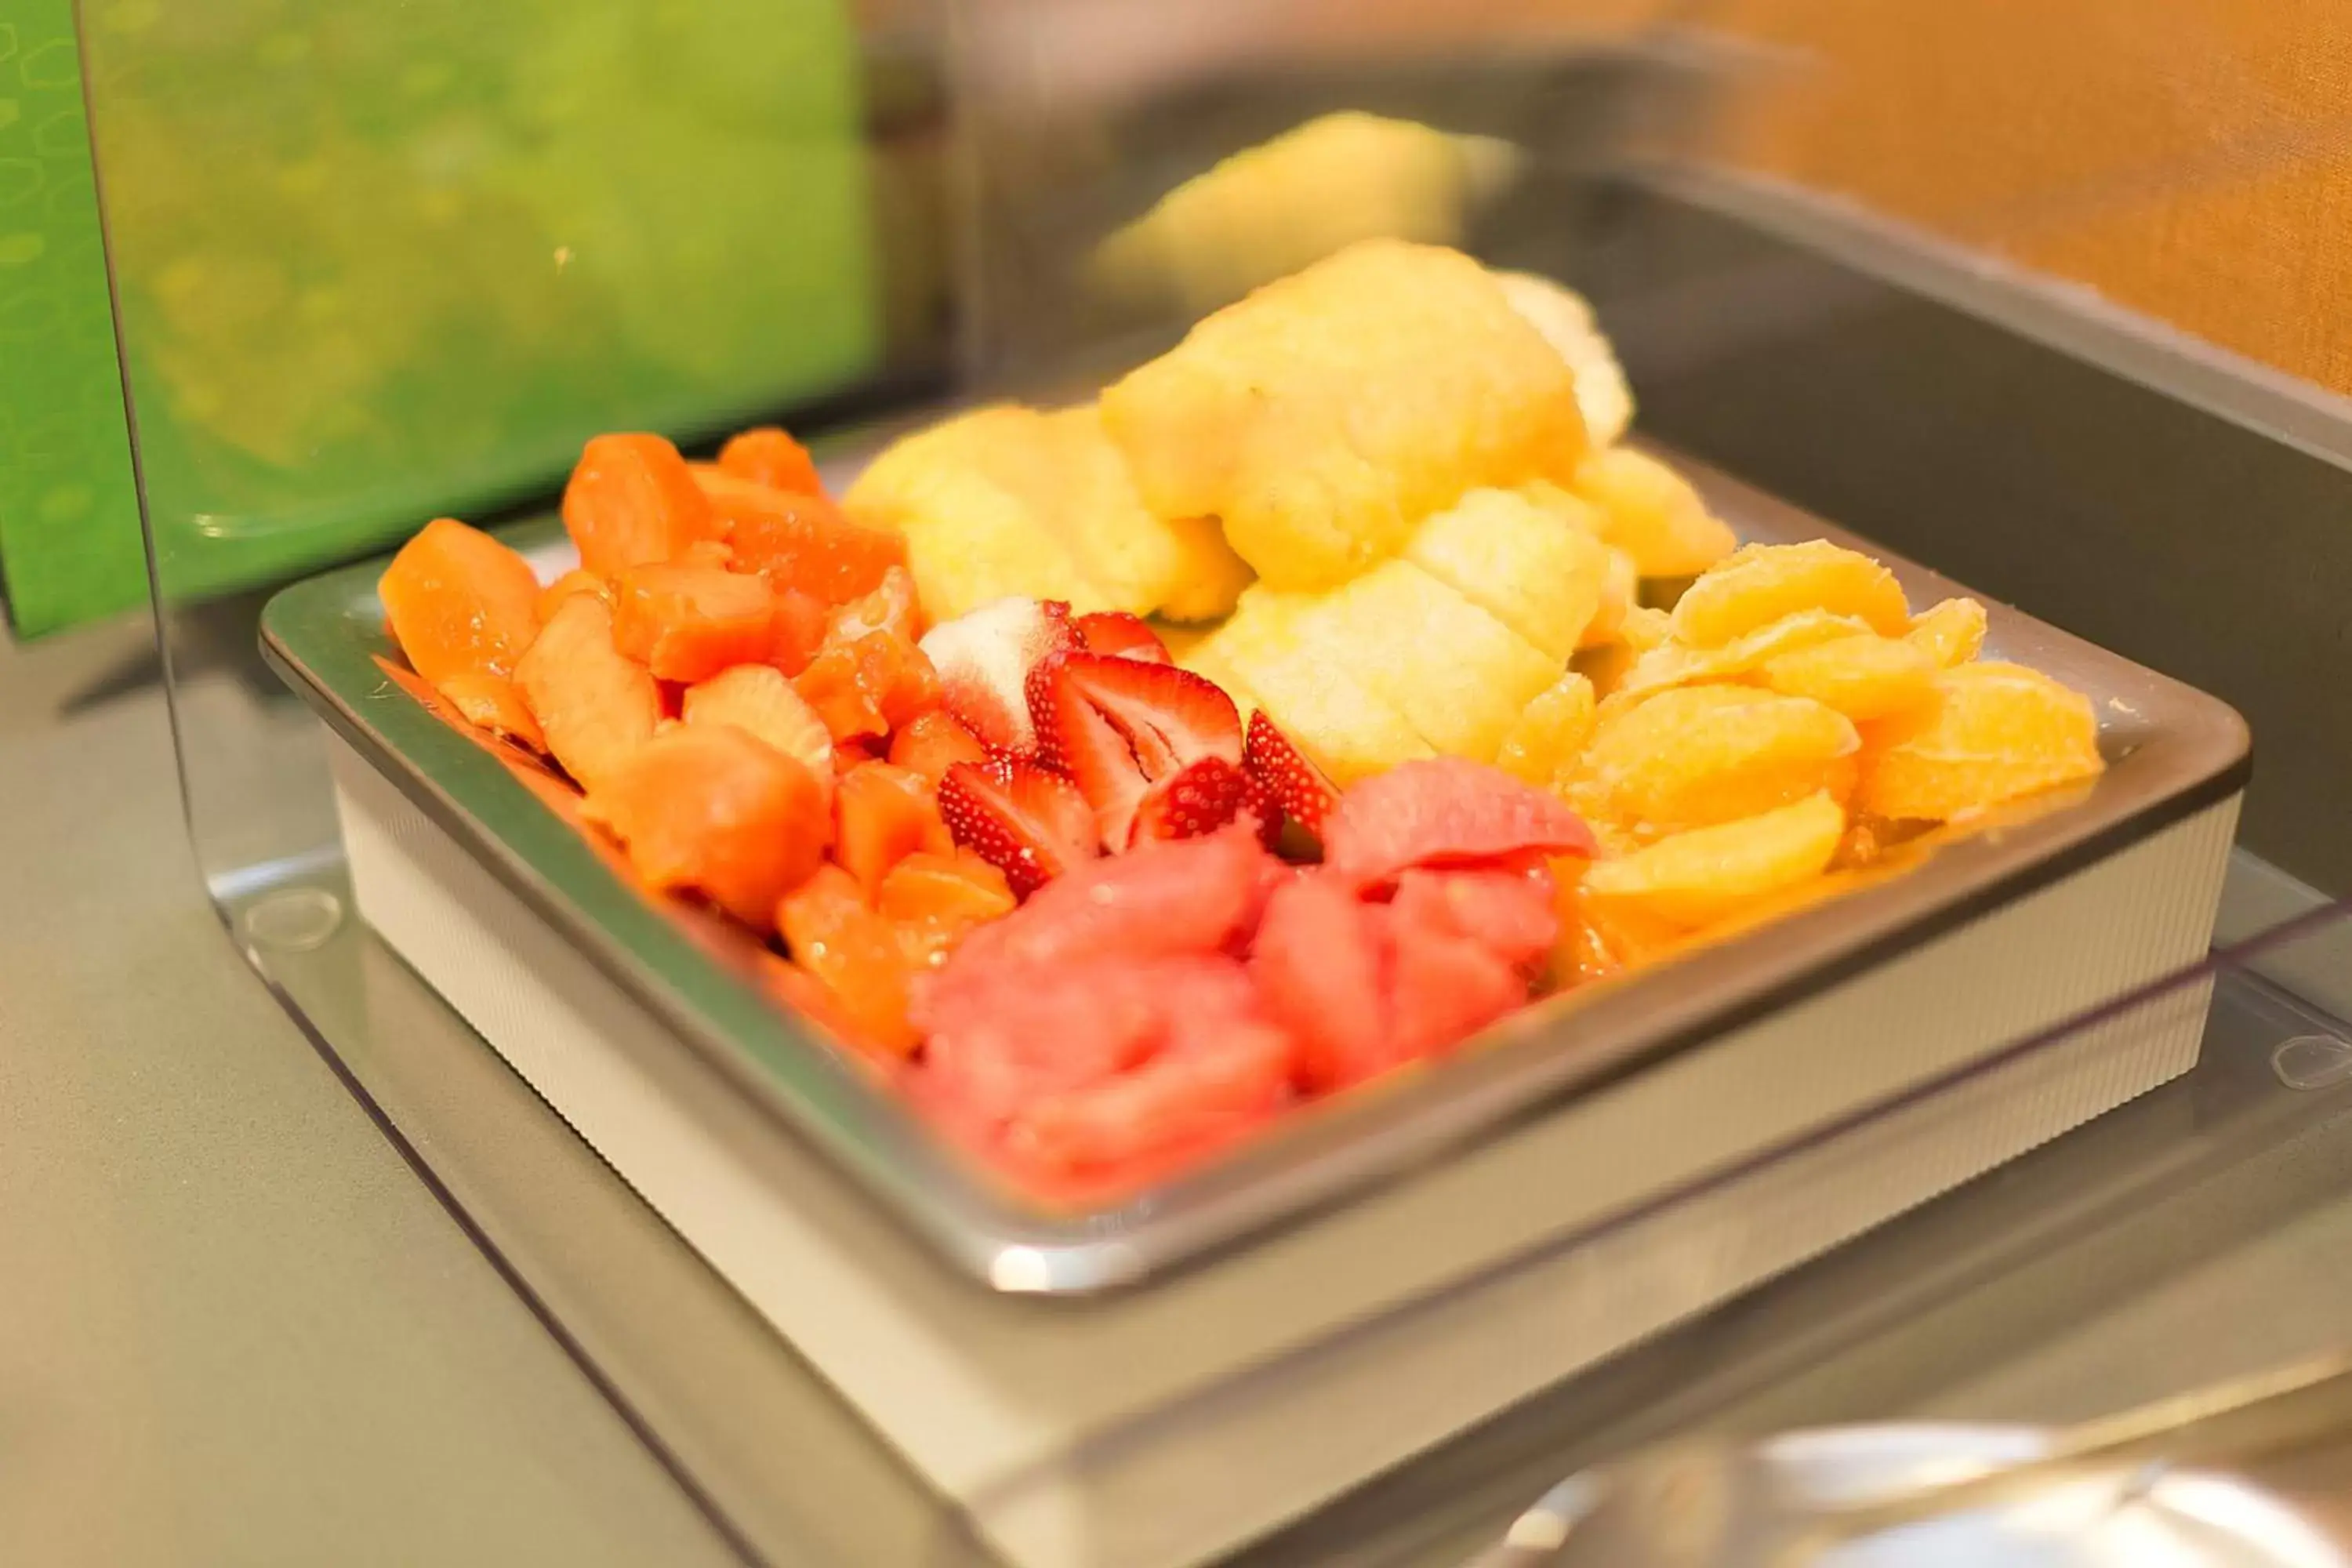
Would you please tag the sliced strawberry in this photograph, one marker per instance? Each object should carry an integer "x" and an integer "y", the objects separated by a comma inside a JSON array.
[
  {"x": 1118, "y": 633},
  {"x": 984, "y": 659},
  {"x": 1121, "y": 727},
  {"x": 1191, "y": 802},
  {"x": 1263, "y": 807},
  {"x": 1295, "y": 784},
  {"x": 1032, "y": 826}
]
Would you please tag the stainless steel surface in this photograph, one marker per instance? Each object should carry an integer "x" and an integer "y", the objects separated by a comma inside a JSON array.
[
  {"x": 237, "y": 1330},
  {"x": 2171, "y": 749},
  {"x": 235, "y": 1327},
  {"x": 1719, "y": 1504}
]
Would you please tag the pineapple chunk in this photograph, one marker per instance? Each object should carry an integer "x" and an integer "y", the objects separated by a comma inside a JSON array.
[
  {"x": 1653, "y": 514},
  {"x": 969, "y": 541},
  {"x": 1296, "y": 199},
  {"x": 1520, "y": 565},
  {"x": 1565, "y": 319},
  {"x": 1323, "y": 417},
  {"x": 1015, "y": 501},
  {"x": 1306, "y": 688},
  {"x": 1460, "y": 677}
]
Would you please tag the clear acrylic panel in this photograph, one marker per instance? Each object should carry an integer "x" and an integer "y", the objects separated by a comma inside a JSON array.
[{"x": 375, "y": 263}]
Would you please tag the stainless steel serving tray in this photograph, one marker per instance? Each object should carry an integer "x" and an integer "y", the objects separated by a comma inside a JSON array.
[{"x": 2172, "y": 751}]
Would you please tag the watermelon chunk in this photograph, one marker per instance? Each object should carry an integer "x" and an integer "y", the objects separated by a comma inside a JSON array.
[{"x": 1442, "y": 812}]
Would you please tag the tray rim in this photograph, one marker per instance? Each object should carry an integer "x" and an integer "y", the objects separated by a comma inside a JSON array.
[{"x": 2179, "y": 749}]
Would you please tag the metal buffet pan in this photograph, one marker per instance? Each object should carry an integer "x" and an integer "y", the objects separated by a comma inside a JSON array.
[{"x": 2172, "y": 751}]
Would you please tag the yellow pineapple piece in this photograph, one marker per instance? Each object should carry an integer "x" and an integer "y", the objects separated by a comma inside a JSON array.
[
  {"x": 1709, "y": 874},
  {"x": 1209, "y": 577},
  {"x": 1324, "y": 416},
  {"x": 1306, "y": 687},
  {"x": 1009, "y": 499},
  {"x": 969, "y": 541},
  {"x": 1949, "y": 632},
  {"x": 1565, "y": 319},
  {"x": 1697, "y": 755},
  {"x": 1759, "y": 583},
  {"x": 1565, "y": 505},
  {"x": 1645, "y": 627},
  {"x": 1621, "y": 595},
  {"x": 1653, "y": 514},
  {"x": 1460, "y": 677},
  {"x": 1995, "y": 732},
  {"x": 1296, "y": 199},
  {"x": 1864, "y": 677},
  {"x": 1517, "y": 563},
  {"x": 1543, "y": 747}
]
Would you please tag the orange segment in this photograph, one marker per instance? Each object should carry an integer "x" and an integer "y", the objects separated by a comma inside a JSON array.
[
  {"x": 707, "y": 807},
  {"x": 767, "y": 456},
  {"x": 881, "y": 815},
  {"x": 1866, "y": 677},
  {"x": 1696, "y": 755},
  {"x": 1759, "y": 583},
  {"x": 854, "y": 954},
  {"x": 458, "y": 600},
  {"x": 632, "y": 501},
  {"x": 757, "y": 700},
  {"x": 594, "y": 706},
  {"x": 1949, "y": 632},
  {"x": 930, "y": 743},
  {"x": 689, "y": 623},
  {"x": 576, "y": 581},
  {"x": 870, "y": 687},
  {"x": 1695, "y": 879},
  {"x": 1996, "y": 731},
  {"x": 490, "y": 701}
]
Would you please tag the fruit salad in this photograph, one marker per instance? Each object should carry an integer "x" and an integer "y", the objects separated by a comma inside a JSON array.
[{"x": 1117, "y": 779}]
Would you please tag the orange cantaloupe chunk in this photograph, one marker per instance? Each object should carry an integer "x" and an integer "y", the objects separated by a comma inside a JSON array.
[
  {"x": 798, "y": 539},
  {"x": 576, "y": 581},
  {"x": 709, "y": 808},
  {"x": 633, "y": 501},
  {"x": 882, "y": 814},
  {"x": 458, "y": 600},
  {"x": 770, "y": 457},
  {"x": 594, "y": 705},
  {"x": 690, "y": 622},
  {"x": 838, "y": 940}
]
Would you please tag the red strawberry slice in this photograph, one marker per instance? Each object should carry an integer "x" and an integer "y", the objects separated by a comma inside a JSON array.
[
  {"x": 1317, "y": 962},
  {"x": 1124, "y": 635},
  {"x": 1120, "y": 726},
  {"x": 1191, "y": 802},
  {"x": 1511, "y": 914},
  {"x": 1295, "y": 784},
  {"x": 1444, "y": 812},
  {"x": 984, "y": 659},
  {"x": 1032, "y": 826},
  {"x": 1262, "y": 806}
]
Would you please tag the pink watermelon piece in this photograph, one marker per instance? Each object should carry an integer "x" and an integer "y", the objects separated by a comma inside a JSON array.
[
  {"x": 1443, "y": 988},
  {"x": 1190, "y": 895},
  {"x": 999, "y": 1042},
  {"x": 1511, "y": 914},
  {"x": 1318, "y": 964},
  {"x": 1444, "y": 812},
  {"x": 1223, "y": 1071}
]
